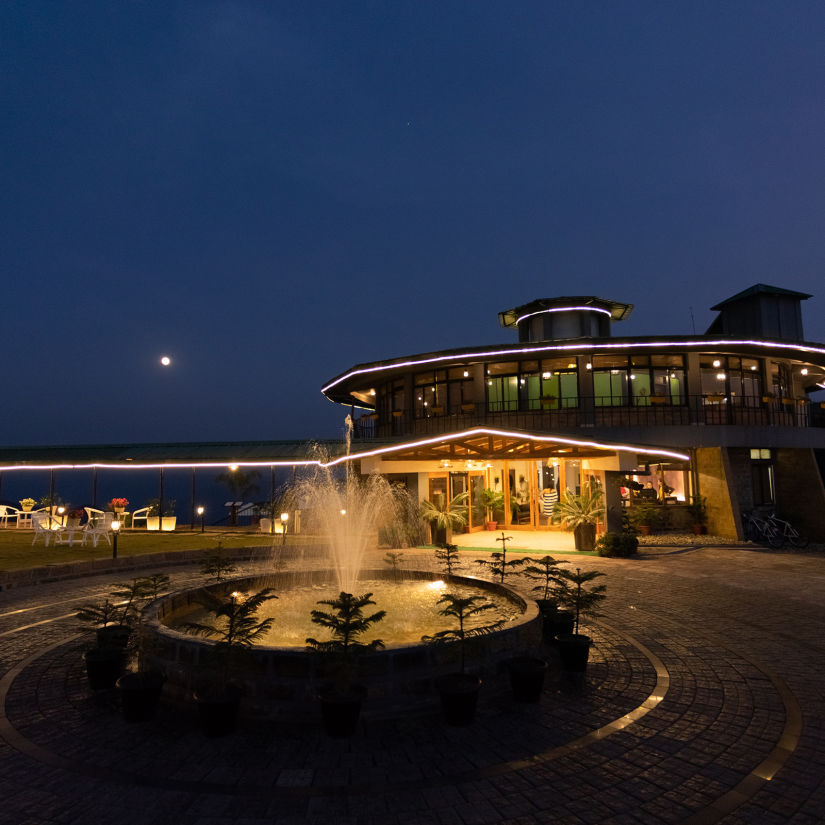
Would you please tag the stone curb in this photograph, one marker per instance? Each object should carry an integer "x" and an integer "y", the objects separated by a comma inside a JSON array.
[{"x": 96, "y": 567}]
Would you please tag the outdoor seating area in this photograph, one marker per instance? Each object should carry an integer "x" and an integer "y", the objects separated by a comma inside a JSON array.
[{"x": 59, "y": 525}]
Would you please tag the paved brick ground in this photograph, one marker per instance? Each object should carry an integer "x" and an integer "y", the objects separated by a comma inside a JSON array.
[{"x": 703, "y": 704}]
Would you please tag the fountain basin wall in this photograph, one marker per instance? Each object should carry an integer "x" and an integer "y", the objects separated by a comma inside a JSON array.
[{"x": 286, "y": 679}]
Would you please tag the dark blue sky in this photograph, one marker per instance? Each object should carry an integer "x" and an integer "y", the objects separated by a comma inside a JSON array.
[{"x": 271, "y": 192}]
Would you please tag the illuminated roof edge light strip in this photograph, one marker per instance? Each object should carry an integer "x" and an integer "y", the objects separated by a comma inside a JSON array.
[
  {"x": 567, "y": 348},
  {"x": 356, "y": 456},
  {"x": 177, "y": 465},
  {"x": 564, "y": 309},
  {"x": 574, "y": 442}
]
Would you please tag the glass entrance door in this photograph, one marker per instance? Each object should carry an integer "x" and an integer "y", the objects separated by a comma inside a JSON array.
[
  {"x": 459, "y": 485},
  {"x": 477, "y": 514}
]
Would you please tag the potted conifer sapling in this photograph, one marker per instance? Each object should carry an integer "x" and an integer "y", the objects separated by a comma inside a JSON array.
[
  {"x": 140, "y": 688},
  {"x": 236, "y": 627},
  {"x": 104, "y": 660},
  {"x": 448, "y": 556},
  {"x": 548, "y": 577},
  {"x": 341, "y": 695},
  {"x": 582, "y": 599},
  {"x": 459, "y": 691}
]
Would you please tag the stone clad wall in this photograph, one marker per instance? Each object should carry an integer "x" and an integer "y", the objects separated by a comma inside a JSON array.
[
  {"x": 800, "y": 494},
  {"x": 714, "y": 471}
]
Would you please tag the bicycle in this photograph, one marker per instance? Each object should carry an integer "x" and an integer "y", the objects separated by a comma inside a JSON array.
[
  {"x": 787, "y": 531},
  {"x": 762, "y": 531}
]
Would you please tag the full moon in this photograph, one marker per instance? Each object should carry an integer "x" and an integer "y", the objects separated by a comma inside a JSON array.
[{"x": 166, "y": 360}]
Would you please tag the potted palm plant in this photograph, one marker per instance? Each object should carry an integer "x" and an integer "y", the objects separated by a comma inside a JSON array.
[
  {"x": 699, "y": 514},
  {"x": 459, "y": 691},
  {"x": 580, "y": 513},
  {"x": 493, "y": 503},
  {"x": 582, "y": 599},
  {"x": 444, "y": 517},
  {"x": 646, "y": 516},
  {"x": 235, "y": 627},
  {"x": 341, "y": 695}
]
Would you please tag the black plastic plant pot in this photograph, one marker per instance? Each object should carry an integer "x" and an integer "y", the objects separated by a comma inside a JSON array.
[
  {"x": 564, "y": 623},
  {"x": 459, "y": 697},
  {"x": 103, "y": 666},
  {"x": 218, "y": 711},
  {"x": 584, "y": 537},
  {"x": 548, "y": 610},
  {"x": 527, "y": 678},
  {"x": 574, "y": 651},
  {"x": 341, "y": 710},
  {"x": 114, "y": 635},
  {"x": 140, "y": 694}
]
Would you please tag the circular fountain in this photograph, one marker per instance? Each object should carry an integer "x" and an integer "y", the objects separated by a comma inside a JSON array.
[{"x": 281, "y": 673}]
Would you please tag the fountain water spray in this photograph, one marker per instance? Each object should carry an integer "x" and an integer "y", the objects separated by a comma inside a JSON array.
[{"x": 348, "y": 512}]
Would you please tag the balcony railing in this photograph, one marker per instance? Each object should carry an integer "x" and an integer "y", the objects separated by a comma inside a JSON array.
[{"x": 601, "y": 412}]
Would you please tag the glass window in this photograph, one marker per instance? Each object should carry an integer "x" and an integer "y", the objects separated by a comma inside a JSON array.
[
  {"x": 619, "y": 380},
  {"x": 502, "y": 393},
  {"x": 762, "y": 483},
  {"x": 609, "y": 386},
  {"x": 738, "y": 379},
  {"x": 640, "y": 387}
]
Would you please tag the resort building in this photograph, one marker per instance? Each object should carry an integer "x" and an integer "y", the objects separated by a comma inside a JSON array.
[{"x": 726, "y": 415}]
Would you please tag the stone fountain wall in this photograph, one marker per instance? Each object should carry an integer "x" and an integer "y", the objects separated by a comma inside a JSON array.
[{"x": 284, "y": 680}]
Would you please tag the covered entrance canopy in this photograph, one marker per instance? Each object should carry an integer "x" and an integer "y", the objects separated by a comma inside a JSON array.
[
  {"x": 528, "y": 472},
  {"x": 487, "y": 444}
]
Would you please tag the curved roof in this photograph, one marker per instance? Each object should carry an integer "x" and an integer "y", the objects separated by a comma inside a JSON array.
[
  {"x": 353, "y": 385},
  {"x": 617, "y": 311}
]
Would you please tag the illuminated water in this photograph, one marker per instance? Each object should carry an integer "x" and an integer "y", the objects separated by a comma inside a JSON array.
[{"x": 411, "y": 605}]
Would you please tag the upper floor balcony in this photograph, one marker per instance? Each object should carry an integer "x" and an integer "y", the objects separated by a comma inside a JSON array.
[{"x": 591, "y": 413}]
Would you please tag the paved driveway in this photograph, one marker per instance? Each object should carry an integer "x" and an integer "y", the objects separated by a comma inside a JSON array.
[{"x": 703, "y": 703}]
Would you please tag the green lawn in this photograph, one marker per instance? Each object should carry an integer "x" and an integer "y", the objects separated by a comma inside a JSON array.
[{"x": 17, "y": 552}]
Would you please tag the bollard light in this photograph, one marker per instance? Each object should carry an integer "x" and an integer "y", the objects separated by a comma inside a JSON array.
[
  {"x": 115, "y": 531},
  {"x": 200, "y": 513},
  {"x": 284, "y": 520}
]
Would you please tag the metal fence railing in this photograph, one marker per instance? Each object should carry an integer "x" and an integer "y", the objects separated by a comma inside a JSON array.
[{"x": 591, "y": 411}]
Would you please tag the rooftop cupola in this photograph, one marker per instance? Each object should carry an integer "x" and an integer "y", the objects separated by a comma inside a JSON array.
[
  {"x": 763, "y": 312},
  {"x": 549, "y": 319}
]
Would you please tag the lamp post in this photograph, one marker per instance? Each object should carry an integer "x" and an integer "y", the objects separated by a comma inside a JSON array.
[
  {"x": 284, "y": 520},
  {"x": 115, "y": 531},
  {"x": 201, "y": 508}
]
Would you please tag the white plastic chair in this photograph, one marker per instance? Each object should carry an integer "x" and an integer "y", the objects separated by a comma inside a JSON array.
[
  {"x": 142, "y": 515},
  {"x": 266, "y": 525},
  {"x": 6, "y": 513},
  {"x": 44, "y": 525},
  {"x": 101, "y": 527},
  {"x": 92, "y": 514}
]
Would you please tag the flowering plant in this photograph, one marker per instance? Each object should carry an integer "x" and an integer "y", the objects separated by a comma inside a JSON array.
[
  {"x": 27, "y": 502},
  {"x": 77, "y": 513},
  {"x": 118, "y": 502}
]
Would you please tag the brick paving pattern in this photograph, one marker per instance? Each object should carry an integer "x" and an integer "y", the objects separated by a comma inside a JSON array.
[{"x": 703, "y": 703}]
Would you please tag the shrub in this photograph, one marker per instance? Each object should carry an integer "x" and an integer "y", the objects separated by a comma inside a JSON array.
[{"x": 617, "y": 545}]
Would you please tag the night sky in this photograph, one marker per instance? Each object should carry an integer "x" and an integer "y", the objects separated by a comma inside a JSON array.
[{"x": 271, "y": 192}]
